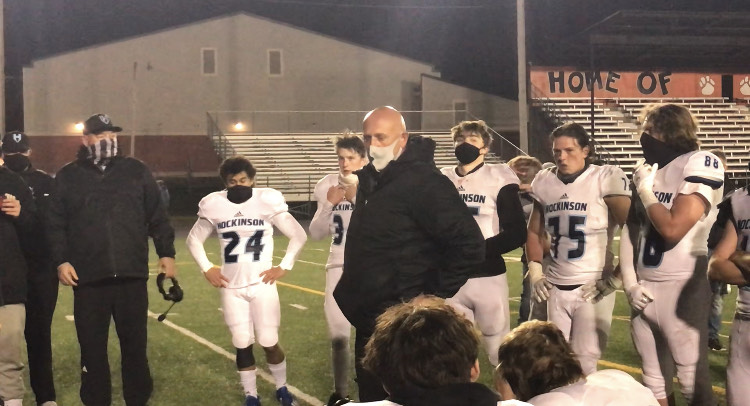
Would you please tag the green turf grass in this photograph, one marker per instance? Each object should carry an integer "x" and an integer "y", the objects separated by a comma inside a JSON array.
[{"x": 188, "y": 373}]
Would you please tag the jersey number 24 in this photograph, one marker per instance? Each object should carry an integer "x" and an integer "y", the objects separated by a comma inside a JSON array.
[{"x": 253, "y": 246}]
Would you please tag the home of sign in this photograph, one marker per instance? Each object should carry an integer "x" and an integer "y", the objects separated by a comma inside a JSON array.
[{"x": 575, "y": 83}]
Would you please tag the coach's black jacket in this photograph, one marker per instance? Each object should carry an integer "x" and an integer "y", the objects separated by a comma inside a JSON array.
[
  {"x": 14, "y": 232},
  {"x": 410, "y": 233},
  {"x": 37, "y": 252},
  {"x": 100, "y": 221}
]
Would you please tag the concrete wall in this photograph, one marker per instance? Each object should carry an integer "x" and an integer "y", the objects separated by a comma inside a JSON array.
[
  {"x": 500, "y": 113},
  {"x": 154, "y": 84}
]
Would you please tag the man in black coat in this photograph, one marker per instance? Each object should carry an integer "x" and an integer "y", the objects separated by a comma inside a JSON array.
[
  {"x": 41, "y": 278},
  {"x": 410, "y": 233},
  {"x": 17, "y": 217},
  {"x": 103, "y": 210}
]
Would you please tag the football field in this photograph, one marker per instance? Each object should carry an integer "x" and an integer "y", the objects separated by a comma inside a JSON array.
[{"x": 192, "y": 358}]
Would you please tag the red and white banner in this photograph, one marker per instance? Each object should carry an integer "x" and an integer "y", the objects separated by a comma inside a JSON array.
[{"x": 566, "y": 82}]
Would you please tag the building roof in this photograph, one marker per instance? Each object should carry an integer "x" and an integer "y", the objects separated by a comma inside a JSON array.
[
  {"x": 677, "y": 40},
  {"x": 226, "y": 16}
]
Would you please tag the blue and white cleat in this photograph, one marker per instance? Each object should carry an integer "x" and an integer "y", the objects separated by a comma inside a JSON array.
[
  {"x": 284, "y": 397},
  {"x": 251, "y": 401}
]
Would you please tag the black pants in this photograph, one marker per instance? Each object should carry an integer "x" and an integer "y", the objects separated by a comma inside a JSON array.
[
  {"x": 40, "y": 305},
  {"x": 370, "y": 387},
  {"x": 125, "y": 301}
]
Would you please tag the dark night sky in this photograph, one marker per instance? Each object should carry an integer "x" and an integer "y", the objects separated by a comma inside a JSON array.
[{"x": 472, "y": 42}]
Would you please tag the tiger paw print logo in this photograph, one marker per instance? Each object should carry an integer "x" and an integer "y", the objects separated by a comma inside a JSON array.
[
  {"x": 745, "y": 86},
  {"x": 707, "y": 85}
]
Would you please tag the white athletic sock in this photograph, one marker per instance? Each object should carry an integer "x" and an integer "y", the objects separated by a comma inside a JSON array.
[
  {"x": 248, "y": 381},
  {"x": 279, "y": 373}
]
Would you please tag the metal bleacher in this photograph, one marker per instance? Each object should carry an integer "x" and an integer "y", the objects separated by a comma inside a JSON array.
[
  {"x": 293, "y": 163},
  {"x": 722, "y": 125}
]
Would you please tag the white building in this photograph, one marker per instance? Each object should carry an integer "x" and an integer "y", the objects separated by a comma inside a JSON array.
[{"x": 160, "y": 86}]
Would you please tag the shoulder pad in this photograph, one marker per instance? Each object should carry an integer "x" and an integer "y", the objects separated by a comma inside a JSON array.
[{"x": 704, "y": 167}]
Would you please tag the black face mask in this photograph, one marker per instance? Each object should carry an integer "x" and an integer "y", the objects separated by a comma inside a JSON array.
[
  {"x": 466, "y": 153},
  {"x": 655, "y": 151},
  {"x": 17, "y": 162},
  {"x": 239, "y": 194}
]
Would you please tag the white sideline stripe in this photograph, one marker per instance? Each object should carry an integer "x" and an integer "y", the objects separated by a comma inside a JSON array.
[
  {"x": 261, "y": 373},
  {"x": 511, "y": 259},
  {"x": 298, "y": 306},
  {"x": 69, "y": 317}
]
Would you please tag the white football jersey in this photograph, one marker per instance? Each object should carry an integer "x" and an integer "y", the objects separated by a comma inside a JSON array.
[
  {"x": 479, "y": 191},
  {"x": 338, "y": 221},
  {"x": 577, "y": 220},
  {"x": 608, "y": 387},
  {"x": 693, "y": 172},
  {"x": 740, "y": 201},
  {"x": 245, "y": 232}
]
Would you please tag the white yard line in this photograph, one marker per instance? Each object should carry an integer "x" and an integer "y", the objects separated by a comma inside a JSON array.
[
  {"x": 261, "y": 373},
  {"x": 304, "y": 262}
]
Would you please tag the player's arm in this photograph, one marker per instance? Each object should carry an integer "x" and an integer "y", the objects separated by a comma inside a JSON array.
[
  {"x": 535, "y": 243},
  {"x": 618, "y": 207},
  {"x": 721, "y": 267},
  {"x": 320, "y": 223},
  {"x": 692, "y": 201},
  {"x": 510, "y": 214},
  {"x": 297, "y": 238},
  {"x": 638, "y": 296},
  {"x": 201, "y": 230},
  {"x": 535, "y": 234}
]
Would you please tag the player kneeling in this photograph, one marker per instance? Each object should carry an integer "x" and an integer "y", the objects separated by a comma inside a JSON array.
[
  {"x": 244, "y": 217},
  {"x": 730, "y": 263},
  {"x": 537, "y": 365}
]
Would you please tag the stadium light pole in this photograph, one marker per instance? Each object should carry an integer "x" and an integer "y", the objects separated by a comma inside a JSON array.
[{"x": 523, "y": 99}]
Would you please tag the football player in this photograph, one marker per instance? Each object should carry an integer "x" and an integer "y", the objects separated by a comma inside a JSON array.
[
  {"x": 730, "y": 263},
  {"x": 677, "y": 187},
  {"x": 491, "y": 193},
  {"x": 579, "y": 204},
  {"x": 243, "y": 217},
  {"x": 537, "y": 365},
  {"x": 335, "y": 194}
]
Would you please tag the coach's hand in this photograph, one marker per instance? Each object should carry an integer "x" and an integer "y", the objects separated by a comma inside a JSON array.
[
  {"x": 336, "y": 194},
  {"x": 166, "y": 266},
  {"x": 215, "y": 278},
  {"x": 67, "y": 274},
  {"x": 272, "y": 275},
  {"x": 539, "y": 284},
  {"x": 11, "y": 206},
  {"x": 639, "y": 297}
]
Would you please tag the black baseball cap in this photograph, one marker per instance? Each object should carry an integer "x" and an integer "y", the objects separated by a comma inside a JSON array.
[
  {"x": 15, "y": 141},
  {"x": 99, "y": 123}
]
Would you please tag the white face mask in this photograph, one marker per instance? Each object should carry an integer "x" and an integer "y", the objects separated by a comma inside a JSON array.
[{"x": 382, "y": 156}]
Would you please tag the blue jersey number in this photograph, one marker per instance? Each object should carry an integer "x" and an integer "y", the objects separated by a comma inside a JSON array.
[
  {"x": 338, "y": 231},
  {"x": 574, "y": 233},
  {"x": 253, "y": 245}
]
